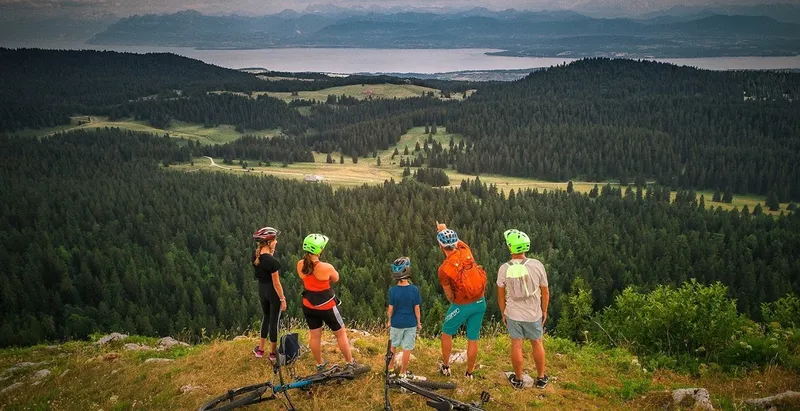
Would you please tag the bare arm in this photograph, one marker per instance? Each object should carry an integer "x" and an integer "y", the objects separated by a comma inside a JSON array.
[
  {"x": 276, "y": 282},
  {"x": 389, "y": 313},
  {"x": 419, "y": 317},
  {"x": 334, "y": 275},
  {"x": 501, "y": 301},
  {"x": 545, "y": 302},
  {"x": 448, "y": 292}
]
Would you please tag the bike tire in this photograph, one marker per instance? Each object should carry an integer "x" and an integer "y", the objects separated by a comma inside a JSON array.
[
  {"x": 236, "y": 398},
  {"x": 434, "y": 385}
]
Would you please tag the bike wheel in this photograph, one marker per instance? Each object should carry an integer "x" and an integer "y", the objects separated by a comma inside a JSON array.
[
  {"x": 236, "y": 398},
  {"x": 434, "y": 385}
]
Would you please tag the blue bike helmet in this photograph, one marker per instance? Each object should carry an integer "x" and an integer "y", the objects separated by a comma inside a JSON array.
[
  {"x": 401, "y": 268},
  {"x": 447, "y": 238}
]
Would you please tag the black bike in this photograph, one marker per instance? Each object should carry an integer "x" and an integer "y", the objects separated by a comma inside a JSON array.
[
  {"x": 423, "y": 388},
  {"x": 256, "y": 393}
]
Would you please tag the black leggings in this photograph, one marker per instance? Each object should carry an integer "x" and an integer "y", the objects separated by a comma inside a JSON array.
[{"x": 271, "y": 308}]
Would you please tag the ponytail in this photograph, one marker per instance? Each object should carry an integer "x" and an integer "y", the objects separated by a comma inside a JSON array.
[
  {"x": 257, "y": 253},
  {"x": 308, "y": 264}
]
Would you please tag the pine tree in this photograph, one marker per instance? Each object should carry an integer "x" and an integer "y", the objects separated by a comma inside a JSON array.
[
  {"x": 378, "y": 161},
  {"x": 405, "y": 151},
  {"x": 576, "y": 312},
  {"x": 593, "y": 192},
  {"x": 329, "y": 159},
  {"x": 341, "y": 158},
  {"x": 570, "y": 187},
  {"x": 417, "y": 147},
  {"x": 728, "y": 196},
  {"x": 772, "y": 201},
  {"x": 716, "y": 198}
]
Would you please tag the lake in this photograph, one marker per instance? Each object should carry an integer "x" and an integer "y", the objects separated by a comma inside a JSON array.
[{"x": 354, "y": 60}]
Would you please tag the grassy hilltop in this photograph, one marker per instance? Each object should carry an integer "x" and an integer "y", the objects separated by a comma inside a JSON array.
[{"x": 87, "y": 376}]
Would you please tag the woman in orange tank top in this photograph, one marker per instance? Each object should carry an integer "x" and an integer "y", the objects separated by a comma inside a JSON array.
[{"x": 319, "y": 300}]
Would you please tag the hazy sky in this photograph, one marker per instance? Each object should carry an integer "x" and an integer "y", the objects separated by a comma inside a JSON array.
[{"x": 128, "y": 7}]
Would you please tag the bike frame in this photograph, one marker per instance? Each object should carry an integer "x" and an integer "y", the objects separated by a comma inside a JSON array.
[{"x": 435, "y": 401}]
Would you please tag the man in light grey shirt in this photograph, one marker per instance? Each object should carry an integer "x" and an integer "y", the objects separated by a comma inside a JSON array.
[{"x": 523, "y": 296}]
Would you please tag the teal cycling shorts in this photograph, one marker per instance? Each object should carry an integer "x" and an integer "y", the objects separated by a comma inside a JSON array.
[{"x": 460, "y": 314}]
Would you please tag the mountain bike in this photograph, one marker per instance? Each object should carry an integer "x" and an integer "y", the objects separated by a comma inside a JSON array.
[
  {"x": 423, "y": 388},
  {"x": 256, "y": 393}
]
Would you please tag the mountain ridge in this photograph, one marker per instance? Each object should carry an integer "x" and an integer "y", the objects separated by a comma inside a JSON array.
[{"x": 519, "y": 32}]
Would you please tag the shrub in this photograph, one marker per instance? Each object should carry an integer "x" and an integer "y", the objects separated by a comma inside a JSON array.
[
  {"x": 693, "y": 321},
  {"x": 785, "y": 311}
]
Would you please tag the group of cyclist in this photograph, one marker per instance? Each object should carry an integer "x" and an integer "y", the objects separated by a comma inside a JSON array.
[{"x": 522, "y": 295}]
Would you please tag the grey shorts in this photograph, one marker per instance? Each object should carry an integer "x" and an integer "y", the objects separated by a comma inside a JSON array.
[
  {"x": 403, "y": 337},
  {"x": 523, "y": 330}
]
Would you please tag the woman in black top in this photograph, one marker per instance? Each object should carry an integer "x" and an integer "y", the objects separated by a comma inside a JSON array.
[{"x": 270, "y": 290}]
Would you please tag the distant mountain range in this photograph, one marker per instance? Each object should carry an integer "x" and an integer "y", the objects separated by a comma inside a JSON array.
[{"x": 518, "y": 33}]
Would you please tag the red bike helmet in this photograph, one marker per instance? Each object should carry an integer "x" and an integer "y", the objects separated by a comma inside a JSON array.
[{"x": 266, "y": 234}]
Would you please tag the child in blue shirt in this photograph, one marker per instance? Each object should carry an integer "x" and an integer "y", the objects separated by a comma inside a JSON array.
[{"x": 404, "y": 314}]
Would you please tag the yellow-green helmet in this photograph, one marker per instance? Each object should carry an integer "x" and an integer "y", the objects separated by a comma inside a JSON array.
[
  {"x": 517, "y": 241},
  {"x": 315, "y": 243}
]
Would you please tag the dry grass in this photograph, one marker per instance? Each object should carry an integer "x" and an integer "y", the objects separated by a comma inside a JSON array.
[{"x": 587, "y": 378}]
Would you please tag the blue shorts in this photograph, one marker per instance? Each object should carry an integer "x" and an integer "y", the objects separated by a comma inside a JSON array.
[
  {"x": 403, "y": 337},
  {"x": 470, "y": 314},
  {"x": 523, "y": 330}
]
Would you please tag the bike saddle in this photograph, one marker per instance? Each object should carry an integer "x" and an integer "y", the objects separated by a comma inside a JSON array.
[{"x": 440, "y": 405}]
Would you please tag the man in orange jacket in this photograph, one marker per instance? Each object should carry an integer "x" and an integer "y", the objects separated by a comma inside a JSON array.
[{"x": 464, "y": 284}]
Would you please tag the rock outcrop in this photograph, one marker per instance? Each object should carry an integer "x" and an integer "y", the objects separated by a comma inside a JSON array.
[
  {"x": 788, "y": 399},
  {"x": 697, "y": 398},
  {"x": 111, "y": 337}
]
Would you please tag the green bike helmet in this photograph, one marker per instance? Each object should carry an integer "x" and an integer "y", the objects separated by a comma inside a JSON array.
[
  {"x": 517, "y": 241},
  {"x": 315, "y": 243}
]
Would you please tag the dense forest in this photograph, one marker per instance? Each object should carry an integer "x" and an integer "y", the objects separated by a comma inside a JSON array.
[
  {"x": 98, "y": 235},
  {"x": 42, "y": 88},
  {"x": 599, "y": 118},
  {"x": 211, "y": 110}
]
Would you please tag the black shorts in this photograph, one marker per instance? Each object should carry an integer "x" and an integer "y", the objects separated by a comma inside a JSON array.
[{"x": 331, "y": 317}]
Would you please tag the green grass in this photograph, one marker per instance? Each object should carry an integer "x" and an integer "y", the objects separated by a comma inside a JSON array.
[
  {"x": 177, "y": 129},
  {"x": 358, "y": 91}
]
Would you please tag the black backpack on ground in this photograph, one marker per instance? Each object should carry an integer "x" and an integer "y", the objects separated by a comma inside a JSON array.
[{"x": 289, "y": 349}]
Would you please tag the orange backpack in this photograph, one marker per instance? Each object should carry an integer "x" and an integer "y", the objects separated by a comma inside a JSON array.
[{"x": 467, "y": 277}]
